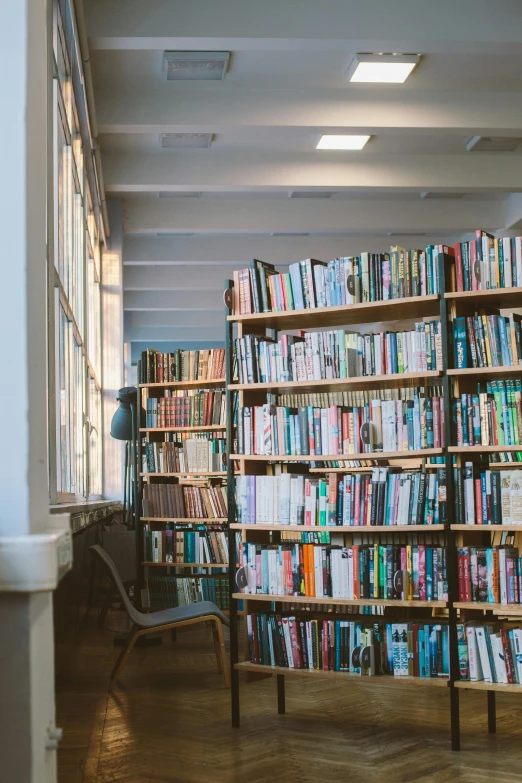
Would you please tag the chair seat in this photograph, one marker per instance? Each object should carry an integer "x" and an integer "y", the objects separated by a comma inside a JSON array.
[{"x": 180, "y": 614}]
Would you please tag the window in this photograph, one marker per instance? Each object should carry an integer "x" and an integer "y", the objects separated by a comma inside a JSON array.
[{"x": 77, "y": 231}]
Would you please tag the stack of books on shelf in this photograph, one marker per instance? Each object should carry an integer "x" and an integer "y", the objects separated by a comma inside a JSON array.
[
  {"x": 387, "y": 572},
  {"x": 185, "y": 546},
  {"x": 487, "y": 340},
  {"x": 187, "y": 408},
  {"x": 192, "y": 455},
  {"x": 372, "y": 421},
  {"x": 383, "y": 496},
  {"x": 397, "y": 649},
  {"x": 157, "y": 367},
  {"x": 487, "y": 497},
  {"x": 172, "y": 501},
  {"x": 490, "y": 653},
  {"x": 339, "y": 354},
  {"x": 369, "y": 277},
  {"x": 492, "y": 417},
  {"x": 488, "y": 262},
  {"x": 490, "y": 575},
  {"x": 171, "y": 591}
]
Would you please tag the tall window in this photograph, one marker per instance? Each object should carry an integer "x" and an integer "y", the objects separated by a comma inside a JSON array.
[{"x": 77, "y": 233}]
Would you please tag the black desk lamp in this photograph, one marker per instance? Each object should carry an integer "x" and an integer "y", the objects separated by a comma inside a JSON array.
[{"x": 124, "y": 426}]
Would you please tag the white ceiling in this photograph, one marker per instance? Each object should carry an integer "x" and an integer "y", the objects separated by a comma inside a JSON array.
[{"x": 286, "y": 86}]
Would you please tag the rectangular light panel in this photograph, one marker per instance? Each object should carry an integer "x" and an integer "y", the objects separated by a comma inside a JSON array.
[
  {"x": 382, "y": 68},
  {"x": 336, "y": 142}
]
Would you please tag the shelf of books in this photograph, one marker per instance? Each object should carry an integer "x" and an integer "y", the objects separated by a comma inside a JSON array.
[
  {"x": 486, "y": 449},
  {"x": 345, "y": 557},
  {"x": 183, "y": 478}
]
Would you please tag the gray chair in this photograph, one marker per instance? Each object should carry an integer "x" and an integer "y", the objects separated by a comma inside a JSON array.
[{"x": 165, "y": 620}]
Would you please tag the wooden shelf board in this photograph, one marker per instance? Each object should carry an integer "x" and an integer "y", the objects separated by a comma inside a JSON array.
[
  {"x": 335, "y": 457},
  {"x": 195, "y": 520},
  {"x": 202, "y": 428},
  {"x": 183, "y": 384},
  {"x": 384, "y": 679},
  {"x": 489, "y": 528},
  {"x": 505, "y": 465},
  {"x": 344, "y": 315},
  {"x": 334, "y": 384},
  {"x": 482, "y": 449},
  {"x": 187, "y": 565},
  {"x": 500, "y": 297},
  {"x": 303, "y": 599},
  {"x": 341, "y": 528},
  {"x": 488, "y": 686},
  {"x": 487, "y": 372},
  {"x": 186, "y": 473},
  {"x": 514, "y": 609}
]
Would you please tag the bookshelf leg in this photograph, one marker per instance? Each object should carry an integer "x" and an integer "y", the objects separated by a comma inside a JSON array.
[
  {"x": 455, "y": 718},
  {"x": 492, "y": 713},
  {"x": 281, "y": 707}
]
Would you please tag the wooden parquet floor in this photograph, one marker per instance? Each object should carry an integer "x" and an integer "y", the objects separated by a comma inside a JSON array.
[{"x": 168, "y": 721}]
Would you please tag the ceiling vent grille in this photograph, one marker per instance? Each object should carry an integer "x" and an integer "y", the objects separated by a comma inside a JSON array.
[
  {"x": 176, "y": 194},
  {"x": 493, "y": 143},
  {"x": 310, "y": 194},
  {"x": 195, "y": 66},
  {"x": 186, "y": 141}
]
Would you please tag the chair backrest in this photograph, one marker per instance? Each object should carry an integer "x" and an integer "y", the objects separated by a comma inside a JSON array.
[{"x": 114, "y": 576}]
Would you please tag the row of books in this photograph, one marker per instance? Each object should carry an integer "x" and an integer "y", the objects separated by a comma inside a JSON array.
[
  {"x": 380, "y": 425},
  {"x": 185, "y": 546},
  {"x": 382, "y": 496},
  {"x": 390, "y": 572},
  {"x": 173, "y": 501},
  {"x": 339, "y": 354},
  {"x": 166, "y": 592},
  {"x": 490, "y": 653},
  {"x": 191, "y": 455},
  {"x": 192, "y": 408},
  {"x": 490, "y": 575},
  {"x": 487, "y": 341},
  {"x": 487, "y": 497},
  {"x": 310, "y": 283},
  {"x": 157, "y": 367},
  {"x": 488, "y": 262},
  {"x": 396, "y": 649},
  {"x": 490, "y": 418}
]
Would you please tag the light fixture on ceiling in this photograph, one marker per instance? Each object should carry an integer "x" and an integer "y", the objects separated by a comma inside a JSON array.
[
  {"x": 336, "y": 142},
  {"x": 195, "y": 66},
  {"x": 493, "y": 143},
  {"x": 383, "y": 68},
  {"x": 179, "y": 194},
  {"x": 443, "y": 195},
  {"x": 310, "y": 194},
  {"x": 189, "y": 141}
]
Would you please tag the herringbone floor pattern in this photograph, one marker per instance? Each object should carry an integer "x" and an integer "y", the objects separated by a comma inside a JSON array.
[{"x": 168, "y": 721}]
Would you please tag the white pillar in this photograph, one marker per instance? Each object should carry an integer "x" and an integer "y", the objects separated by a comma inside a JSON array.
[{"x": 26, "y": 636}]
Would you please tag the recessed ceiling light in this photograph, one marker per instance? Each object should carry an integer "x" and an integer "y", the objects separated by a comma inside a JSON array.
[
  {"x": 195, "y": 66},
  {"x": 383, "y": 68},
  {"x": 310, "y": 194},
  {"x": 328, "y": 142},
  {"x": 186, "y": 140},
  {"x": 493, "y": 143}
]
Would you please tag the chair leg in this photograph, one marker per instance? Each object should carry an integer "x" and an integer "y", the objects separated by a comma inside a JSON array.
[
  {"x": 217, "y": 648},
  {"x": 125, "y": 650},
  {"x": 224, "y": 656}
]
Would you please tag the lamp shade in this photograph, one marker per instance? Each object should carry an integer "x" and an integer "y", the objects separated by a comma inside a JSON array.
[{"x": 121, "y": 424}]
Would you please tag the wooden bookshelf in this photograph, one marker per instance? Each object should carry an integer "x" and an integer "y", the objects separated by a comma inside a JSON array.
[
  {"x": 341, "y": 528},
  {"x": 336, "y": 384},
  {"x": 508, "y": 609},
  {"x": 201, "y": 428},
  {"x": 491, "y": 373},
  {"x": 343, "y": 315},
  {"x": 200, "y": 384},
  {"x": 185, "y": 565},
  {"x": 193, "y": 520},
  {"x": 489, "y": 686},
  {"x": 334, "y": 457},
  {"x": 437, "y": 682},
  {"x": 200, "y": 473},
  {"x": 483, "y": 449},
  {"x": 489, "y": 528},
  {"x": 326, "y": 600},
  {"x": 493, "y": 297}
]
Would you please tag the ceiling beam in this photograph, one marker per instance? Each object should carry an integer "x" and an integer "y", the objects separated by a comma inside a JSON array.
[
  {"x": 359, "y": 25},
  {"x": 184, "y": 302},
  {"x": 265, "y": 216},
  {"x": 178, "y": 278},
  {"x": 152, "y": 334},
  {"x": 233, "y": 252},
  {"x": 233, "y": 170},
  {"x": 167, "y": 108},
  {"x": 210, "y": 319}
]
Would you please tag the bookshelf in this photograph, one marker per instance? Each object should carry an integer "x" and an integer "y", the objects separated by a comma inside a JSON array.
[
  {"x": 170, "y": 486},
  {"x": 390, "y": 610}
]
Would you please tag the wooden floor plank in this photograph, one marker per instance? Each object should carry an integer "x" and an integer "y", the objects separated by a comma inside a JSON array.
[{"x": 168, "y": 721}]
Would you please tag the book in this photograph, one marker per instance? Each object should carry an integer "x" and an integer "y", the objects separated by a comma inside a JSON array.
[
  {"x": 171, "y": 591},
  {"x": 181, "y": 365},
  {"x": 190, "y": 455},
  {"x": 186, "y": 408},
  {"x": 487, "y": 262},
  {"x": 171, "y": 501}
]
